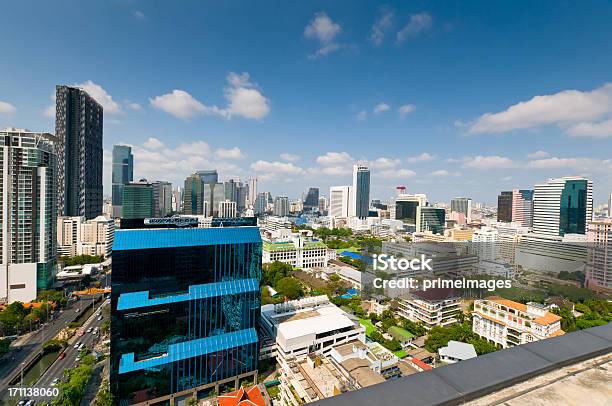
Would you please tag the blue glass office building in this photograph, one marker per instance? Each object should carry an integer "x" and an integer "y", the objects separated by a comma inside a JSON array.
[{"x": 185, "y": 308}]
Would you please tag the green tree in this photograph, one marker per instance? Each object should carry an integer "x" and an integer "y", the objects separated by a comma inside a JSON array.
[{"x": 289, "y": 287}]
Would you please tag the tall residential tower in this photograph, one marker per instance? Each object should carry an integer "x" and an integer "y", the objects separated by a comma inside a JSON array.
[{"x": 123, "y": 173}]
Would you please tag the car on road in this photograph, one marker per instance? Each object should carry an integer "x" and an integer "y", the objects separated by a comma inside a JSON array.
[
  {"x": 62, "y": 355},
  {"x": 88, "y": 330},
  {"x": 55, "y": 382},
  {"x": 76, "y": 345},
  {"x": 81, "y": 333},
  {"x": 99, "y": 318},
  {"x": 78, "y": 358}
]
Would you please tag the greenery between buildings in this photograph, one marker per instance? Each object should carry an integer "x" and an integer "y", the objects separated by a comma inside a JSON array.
[
  {"x": 81, "y": 260},
  {"x": 72, "y": 390}
]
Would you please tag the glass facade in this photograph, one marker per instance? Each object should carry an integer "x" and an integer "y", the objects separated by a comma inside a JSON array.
[
  {"x": 361, "y": 185},
  {"x": 137, "y": 201},
  {"x": 504, "y": 207},
  {"x": 406, "y": 211},
  {"x": 185, "y": 308},
  {"x": 573, "y": 212},
  {"x": 123, "y": 171}
]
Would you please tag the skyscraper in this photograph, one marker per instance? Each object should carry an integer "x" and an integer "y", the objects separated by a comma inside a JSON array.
[
  {"x": 281, "y": 206},
  {"x": 79, "y": 127},
  {"x": 504, "y": 207},
  {"x": 193, "y": 195},
  {"x": 462, "y": 205},
  {"x": 610, "y": 206},
  {"x": 209, "y": 176},
  {"x": 598, "y": 268},
  {"x": 242, "y": 193},
  {"x": 252, "y": 190},
  {"x": 404, "y": 207},
  {"x": 227, "y": 209},
  {"x": 522, "y": 207},
  {"x": 137, "y": 200},
  {"x": 230, "y": 189},
  {"x": 340, "y": 201},
  {"x": 185, "y": 307},
  {"x": 214, "y": 193},
  {"x": 312, "y": 199},
  {"x": 123, "y": 172},
  {"x": 261, "y": 203},
  {"x": 562, "y": 206},
  {"x": 430, "y": 219},
  {"x": 361, "y": 191},
  {"x": 28, "y": 177},
  {"x": 162, "y": 198}
]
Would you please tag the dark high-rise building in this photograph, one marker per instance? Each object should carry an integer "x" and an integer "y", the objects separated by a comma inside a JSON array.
[
  {"x": 185, "y": 307},
  {"x": 162, "y": 198},
  {"x": 209, "y": 176},
  {"x": 123, "y": 173},
  {"x": 79, "y": 127},
  {"x": 430, "y": 219},
  {"x": 193, "y": 195},
  {"x": 361, "y": 192},
  {"x": 242, "y": 194},
  {"x": 137, "y": 200},
  {"x": 504, "y": 207},
  {"x": 312, "y": 199},
  {"x": 231, "y": 191}
]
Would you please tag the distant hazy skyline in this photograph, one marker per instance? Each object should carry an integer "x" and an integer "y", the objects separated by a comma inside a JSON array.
[{"x": 448, "y": 99}]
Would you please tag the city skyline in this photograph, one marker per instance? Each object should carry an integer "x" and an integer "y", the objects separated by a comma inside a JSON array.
[{"x": 435, "y": 128}]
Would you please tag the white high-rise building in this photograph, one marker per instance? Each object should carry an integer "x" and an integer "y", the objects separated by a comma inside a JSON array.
[
  {"x": 360, "y": 201},
  {"x": 599, "y": 256},
  {"x": 252, "y": 191},
  {"x": 281, "y": 206},
  {"x": 404, "y": 207},
  {"x": 28, "y": 176},
  {"x": 562, "y": 206},
  {"x": 610, "y": 206},
  {"x": 76, "y": 236},
  {"x": 522, "y": 207},
  {"x": 227, "y": 209},
  {"x": 339, "y": 201}
]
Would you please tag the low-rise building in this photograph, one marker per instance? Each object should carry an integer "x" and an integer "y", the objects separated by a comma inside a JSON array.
[
  {"x": 296, "y": 250},
  {"x": 433, "y": 307},
  {"x": 365, "y": 364},
  {"x": 456, "y": 351},
  {"x": 508, "y": 323},
  {"x": 76, "y": 236}
]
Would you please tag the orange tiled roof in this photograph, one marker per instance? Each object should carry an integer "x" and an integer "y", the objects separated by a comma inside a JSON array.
[
  {"x": 548, "y": 318},
  {"x": 557, "y": 333},
  {"x": 493, "y": 319},
  {"x": 508, "y": 303},
  {"x": 421, "y": 364},
  {"x": 242, "y": 397}
]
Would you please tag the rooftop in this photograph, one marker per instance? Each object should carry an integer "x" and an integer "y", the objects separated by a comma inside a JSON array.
[{"x": 458, "y": 350}]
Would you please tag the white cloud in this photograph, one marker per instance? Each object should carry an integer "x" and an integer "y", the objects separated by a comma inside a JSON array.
[
  {"x": 244, "y": 100},
  {"x": 101, "y": 96},
  {"x": 384, "y": 163},
  {"x": 362, "y": 115},
  {"x": 180, "y": 104},
  {"x": 417, "y": 24},
  {"x": 334, "y": 158},
  {"x": 134, "y": 106},
  {"x": 153, "y": 143},
  {"x": 424, "y": 157},
  {"x": 396, "y": 174},
  {"x": 381, "y": 108},
  {"x": 7, "y": 108},
  {"x": 488, "y": 162},
  {"x": 231, "y": 153},
  {"x": 440, "y": 173},
  {"x": 50, "y": 110},
  {"x": 580, "y": 164},
  {"x": 380, "y": 27},
  {"x": 602, "y": 129},
  {"x": 324, "y": 30},
  {"x": 405, "y": 110},
  {"x": 337, "y": 170},
  {"x": 276, "y": 169},
  {"x": 138, "y": 14},
  {"x": 286, "y": 156},
  {"x": 538, "y": 154},
  {"x": 562, "y": 108}
]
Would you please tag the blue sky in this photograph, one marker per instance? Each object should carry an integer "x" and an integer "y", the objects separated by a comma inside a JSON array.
[{"x": 446, "y": 98}]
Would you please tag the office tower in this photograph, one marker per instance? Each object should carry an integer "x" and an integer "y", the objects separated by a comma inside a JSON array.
[
  {"x": 177, "y": 200},
  {"x": 462, "y": 205},
  {"x": 522, "y": 207},
  {"x": 79, "y": 127},
  {"x": 340, "y": 201},
  {"x": 227, "y": 209},
  {"x": 430, "y": 219},
  {"x": 231, "y": 192},
  {"x": 123, "y": 172},
  {"x": 610, "y": 206},
  {"x": 185, "y": 306},
  {"x": 504, "y": 207},
  {"x": 193, "y": 195},
  {"x": 404, "y": 207},
  {"x": 162, "y": 198},
  {"x": 214, "y": 193},
  {"x": 312, "y": 199},
  {"x": 242, "y": 194},
  {"x": 562, "y": 206},
  {"x": 281, "y": 206},
  {"x": 137, "y": 200},
  {"x": 252, "y": 191},
  {"x": 28, "y": 177},
  {"x": 323, "y": 204},
  {"x": 261, "y": 203},
  {"x": 598, "y": 269},
  {"x": 360, "y": 201}
]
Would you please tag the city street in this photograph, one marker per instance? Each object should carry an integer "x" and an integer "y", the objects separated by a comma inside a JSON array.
[{"x": 32, "y": 345}]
